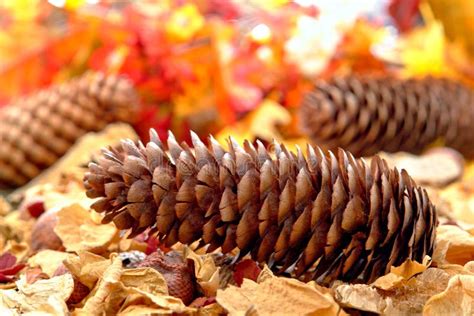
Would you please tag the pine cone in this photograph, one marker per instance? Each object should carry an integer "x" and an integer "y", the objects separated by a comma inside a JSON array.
[
  {"x": 365, "y": 115},
  {"x": 331, "y": 217},
  {"x": 37, "y": 130}
]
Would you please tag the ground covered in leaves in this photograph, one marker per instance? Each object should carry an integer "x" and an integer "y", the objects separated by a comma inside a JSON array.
[{"x": 58, "y": 258}]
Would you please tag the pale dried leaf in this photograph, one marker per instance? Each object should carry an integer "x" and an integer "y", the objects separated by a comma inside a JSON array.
[
  {"x": 79, "y": 232},
  {"x": 48, "y": 260},
  {"x": 457, "y": 299},
  {"x": 5, "y": 207},
  {"x": 460, "y": 244},
  {"x": 87, "y": 267},
  {"x": 206, "y": 271},
  {"x": 145, "y": 279},
  {"x": 293, "y": 297},
  {"x": 362, "y": 297},
  {"x": 100, "y": 301},
  {"x": 403, "y": 272},
  {"x": 47, "y": 296},
  {"x": 437, "y": 167}
]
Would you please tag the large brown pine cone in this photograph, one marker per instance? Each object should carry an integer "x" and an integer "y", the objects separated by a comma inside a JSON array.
[
  {"x": 333, "y": 217},
  {"x": 37, "y": 130},
  {"x": 366, "y": 114}
]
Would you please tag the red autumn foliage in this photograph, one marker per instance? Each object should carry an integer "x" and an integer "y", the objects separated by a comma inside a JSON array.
[
  {"x": 247, "y": 269},
  {"x": 9, "y": 267}
]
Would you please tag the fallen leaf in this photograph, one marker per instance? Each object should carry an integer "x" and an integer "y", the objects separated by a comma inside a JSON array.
[
  {"x": 276, "y": 296},
  {"x": 405, "y": 297},
  {"x": 87, "y": 267},
  {"x": 48, "y": 260},
  {"x": 125, "y": 290},
  {"x": 437, "y": 167},
  {"x": 5, "y": 207},
  {"x": 457, "y": 299},
  {"x": 145, "y": 279},
  {"x": 48, "y": 296},
  {"x": 79, "y": 232},
  {"x": 247, "y": 269},
  {"x": 361, "y": 297},
  {"x": 460, "y": 243},
  {"x": 403, "y": 272},
  {"x": 261, "y": 122},
  {"x": 9, "y": 267},
  {"x": 206, "y": 271},
  {"x": 35, "y": 274}
]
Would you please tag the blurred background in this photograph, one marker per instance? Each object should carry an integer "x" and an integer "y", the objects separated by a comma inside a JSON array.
[{"x": 229, "y": 67}]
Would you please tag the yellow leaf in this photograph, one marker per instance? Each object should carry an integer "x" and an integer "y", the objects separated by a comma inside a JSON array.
[
  {"x": 261, "y": 123},
  {"x": 47, "y": 296},
  {"x": 403, "y": 272},
  {"x": 460, "y": 243},
  {"x": 184, "y": 23},
  {"x": 87, "y": 267},
  {"x": 48, "y": 260},
  {"x": 79, "y": 232},
  {"x": 22, "y": 10},
  {"x": 206, "y": 271},
  {"x": 277, "y": 296},
  {"x": 129, "y": 290},
  {"x": 145, "y": 279},
  {"x": 74, "y": 4},
  {"x": 457, "y": 299},
  {"x": 423, "y": 51}
]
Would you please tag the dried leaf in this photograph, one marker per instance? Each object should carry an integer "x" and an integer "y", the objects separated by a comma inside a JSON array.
[
  {"x": 87, "y": 267},
  {"x": 403, "y": 272},
  {"x": 460, "y": 243},
  {"x": 42, "y": 296},
  {"x": 460, "y": 197},
  {"x": 206, "y": 271},
  {"x": 261, "y": 122},
  {"x": 361, "y": 297},
  {"x": 5, "y": 207},
  {"x": 293, "y": 297},
  {"x": 117, "y": 289},
  {"x": 48, "y": 260},
  {"x": 438, "y": 167},
  {"x": 407, "y": 297},
  {"x": 79, "y": 232},
  {"x": 9, "y": 267},
  {"x": 246, "y": 269},
  {"x": 145, "y": 279},
  {"x": 457, "y": 299}
]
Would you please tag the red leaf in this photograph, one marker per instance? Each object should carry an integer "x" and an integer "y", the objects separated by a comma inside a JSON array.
[
  {"x": 7, "y": 260},
  {"x": 247, "y": 269},
  {"x": 403, "y": 13},
  {"x": 8, "y": 267},
  {"x": 13, "y": 270},
  {"x": 35, "y": 208}
]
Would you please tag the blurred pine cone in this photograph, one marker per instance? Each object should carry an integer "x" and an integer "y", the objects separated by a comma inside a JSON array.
[
  {"x": 365, "y": 114},
  {"x": 37, "y": 130},
  {"x": 333, "y": 217}
]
